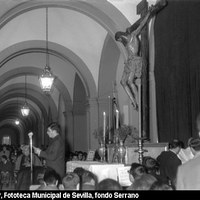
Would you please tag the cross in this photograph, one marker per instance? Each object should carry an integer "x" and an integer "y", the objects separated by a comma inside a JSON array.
[{"x": 142, "y": 9}]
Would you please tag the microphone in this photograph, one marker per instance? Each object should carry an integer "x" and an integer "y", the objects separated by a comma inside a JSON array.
[{"x": 30, "y": 134}]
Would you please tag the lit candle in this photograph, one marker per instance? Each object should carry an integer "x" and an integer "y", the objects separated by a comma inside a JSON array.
[
  {"x": 109, "y": 121},
  {"x": 104, "y": 126},
  {"x": 117, "y": 119}
]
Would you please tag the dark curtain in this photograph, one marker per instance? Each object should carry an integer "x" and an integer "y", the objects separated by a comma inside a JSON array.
[{"x": 177, "y": 69}]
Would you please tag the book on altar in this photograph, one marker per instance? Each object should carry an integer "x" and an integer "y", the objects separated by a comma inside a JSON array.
[
  {"x": 90, "y": 155},
  {"x": 123, "y": 176}
]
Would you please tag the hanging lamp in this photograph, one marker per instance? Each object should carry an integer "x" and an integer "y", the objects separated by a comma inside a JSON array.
[
  {"x": 25, "y": 109},
  {"x": 46, "y": 79}
]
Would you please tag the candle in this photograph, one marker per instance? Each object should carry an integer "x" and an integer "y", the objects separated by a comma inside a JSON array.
[
  {"x": 117, "y": 119},
  {"x": 104, "y": 127},
  {"x": 109, "y": 121}
]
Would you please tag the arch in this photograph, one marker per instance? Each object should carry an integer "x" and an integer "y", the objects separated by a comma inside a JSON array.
[
  {"x": 95, "y": 13},
  {"x": 66, "y": 55},
  {"x": 101, "y": 15},
  {"x": 11, "y": 92},
  {"x": 20, "y": 127}
]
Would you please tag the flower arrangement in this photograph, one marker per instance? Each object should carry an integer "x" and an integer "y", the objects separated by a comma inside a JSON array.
[
  {"x": 132, "y": 138},
  {"x": 123, "y": 132},
  {"x": 98, "y": 134}
]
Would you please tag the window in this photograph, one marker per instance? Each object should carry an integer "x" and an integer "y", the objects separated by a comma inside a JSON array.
[{"x": 6, "y": 140}]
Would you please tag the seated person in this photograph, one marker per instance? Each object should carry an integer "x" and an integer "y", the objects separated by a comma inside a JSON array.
[
  {"x": 71, "y": 181},
  {"x": 6, "y": 169},
  {"x": 5, "y": 152},
  {"x": 159, "y": 185},
  {"x": 96, "y": 156},
  {"x": 80, "y": 155},
  {"x": 85, "y": 156},
  {"x": 13, "y": 158},
  {"x": 69, "y": 156},
  {"x": 50, "y": 180},
  {"x": 5, "y": 164},
  {"x": 89, "y": 180},
  {"x": 79, "y": 171},
  {"x": 24, "y": 160},
  {"x": 135, "y": 172},
  {"x": 144, "y": 182},
  {"x": 23, "y": 168},
  {"x": 108, "y": 184},
  {"x": 75, "y": 156},
  {"x": 152, "y": 167}
]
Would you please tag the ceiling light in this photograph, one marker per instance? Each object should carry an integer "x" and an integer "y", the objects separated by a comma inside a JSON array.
[
  {"x": 17, "y": 122},
  {"x": 25, "y": 109},
  {"x": 46, "y": 79}
]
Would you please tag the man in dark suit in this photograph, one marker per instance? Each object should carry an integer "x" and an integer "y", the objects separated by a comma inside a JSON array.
[
  {"x": 188, "y": 176},
  {"x": 55, "y": 153},
  {"x": 169, "y": 162}
]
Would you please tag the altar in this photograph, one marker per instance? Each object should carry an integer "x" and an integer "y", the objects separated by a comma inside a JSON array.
[
  {"x": 150, "y": 149},
  {"x": 103, "y": 170},
  {"x": 118, "y": 171}
]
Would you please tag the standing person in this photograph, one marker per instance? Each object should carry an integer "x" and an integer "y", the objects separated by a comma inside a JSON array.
[
  {"x": 55, "y": 152},
  {"x": 169, "y": 162},
  {"x": 188, "y": 176}
]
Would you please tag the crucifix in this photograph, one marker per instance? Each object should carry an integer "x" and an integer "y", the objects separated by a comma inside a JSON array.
[
  {"x": 142, "y": 9},
  {"x": 135, "y": 75}
]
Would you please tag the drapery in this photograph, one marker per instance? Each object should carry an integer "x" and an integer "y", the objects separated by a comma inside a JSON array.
[{"x": 177, "y": 69}]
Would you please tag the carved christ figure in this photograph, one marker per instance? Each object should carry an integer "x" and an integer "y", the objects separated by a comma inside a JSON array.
[{"x": 133, "y": 66}]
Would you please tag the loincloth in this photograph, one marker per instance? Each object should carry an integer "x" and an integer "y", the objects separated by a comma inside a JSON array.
[{"x": 134, "y": 65}]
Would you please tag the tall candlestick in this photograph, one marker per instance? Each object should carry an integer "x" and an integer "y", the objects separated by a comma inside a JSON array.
[
  {"x": 104, "y": 127},
  {"x": 117, "y": 119}
]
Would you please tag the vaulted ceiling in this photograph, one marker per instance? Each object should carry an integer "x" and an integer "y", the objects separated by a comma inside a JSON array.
[{"x": 79, "y": 37}]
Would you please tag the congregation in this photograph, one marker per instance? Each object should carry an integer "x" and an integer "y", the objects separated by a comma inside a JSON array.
[
  {"x": 159, "y": 173},
  {"x": 15, "y": 166}
]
